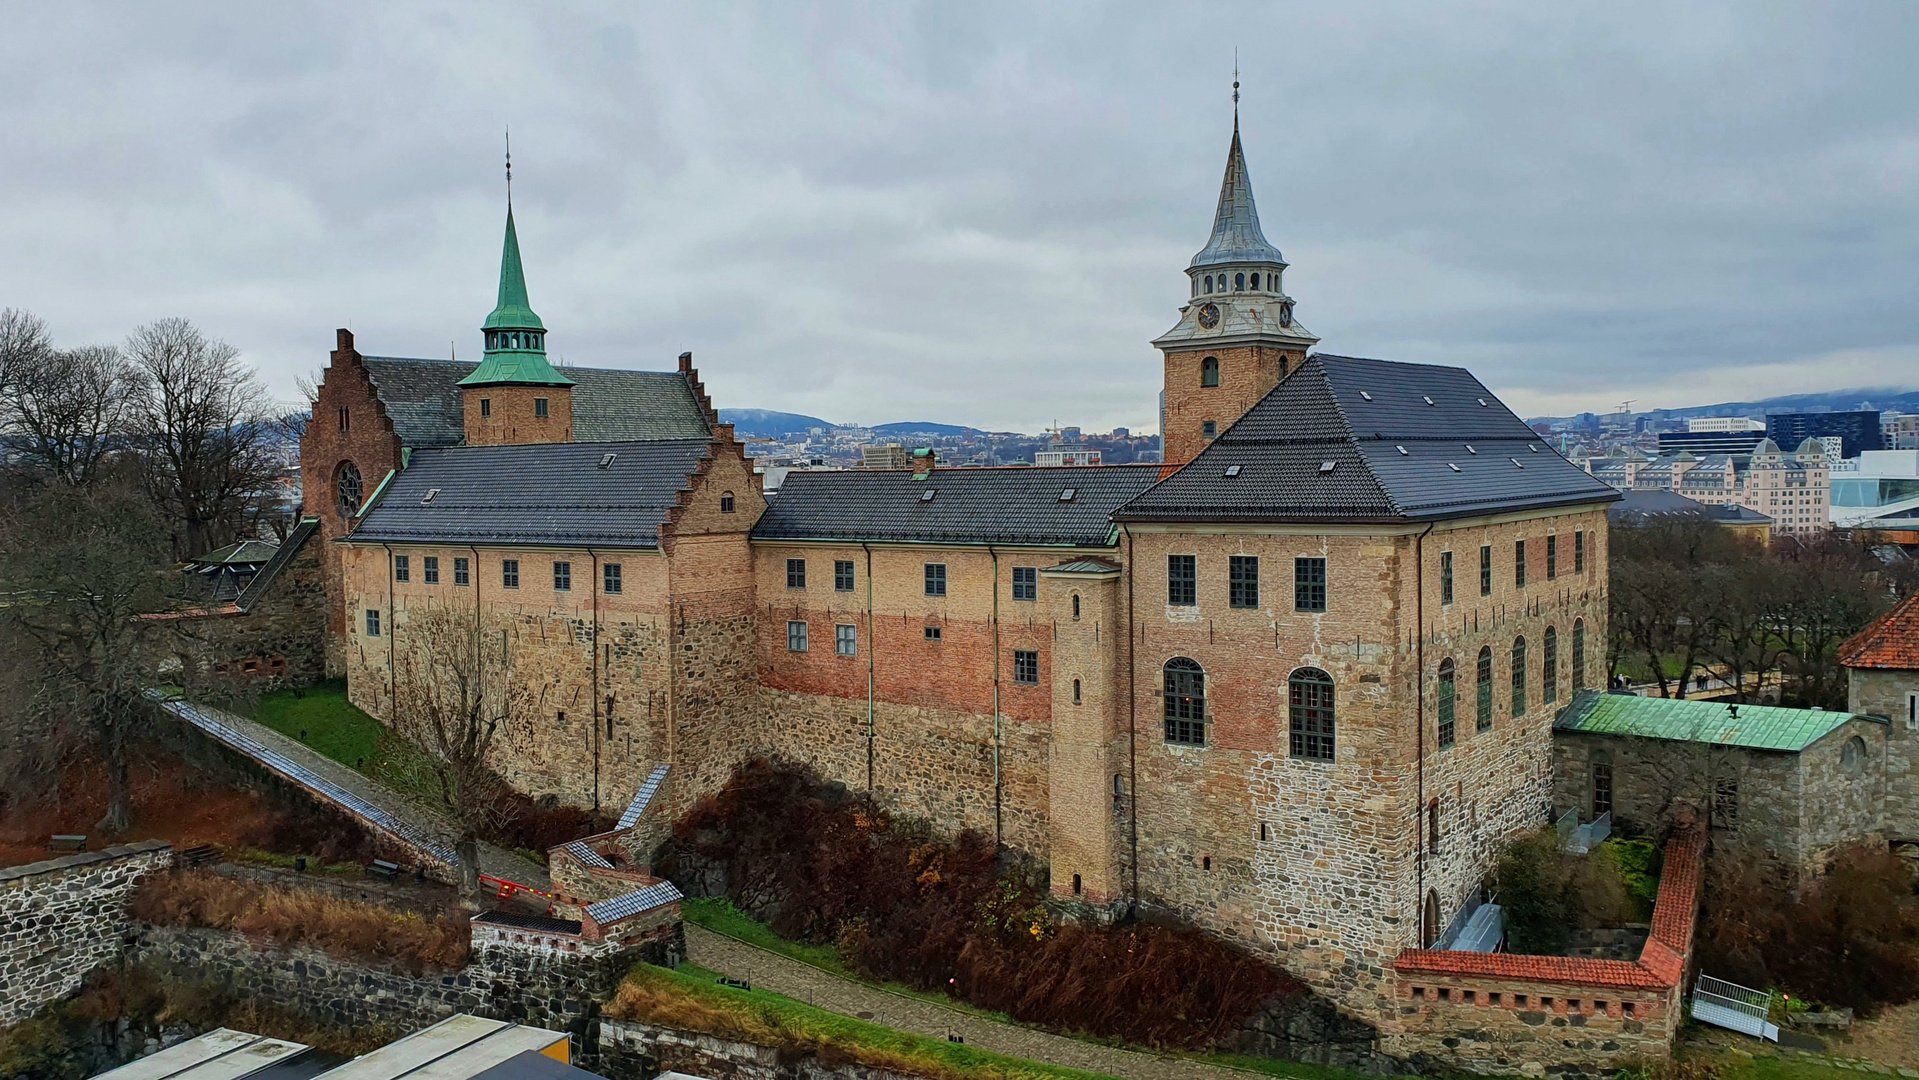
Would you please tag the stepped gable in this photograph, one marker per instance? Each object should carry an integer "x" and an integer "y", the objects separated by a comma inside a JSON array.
[
  {"x": 423, "y": 399},
  {"x": 1346, "y": 439},
  {"x": 614, "y": 493},
  {"x": 1047, "y": 506}
]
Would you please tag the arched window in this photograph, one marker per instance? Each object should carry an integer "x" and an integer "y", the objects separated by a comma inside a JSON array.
[
  {"x": 726, "y": 502},
  {"x": 1209, "y": 283},
  {"x": 1519, "y": 676},
  {"x": 1483, "y": 688},
  {"x": 1255, "y": 282},
  {"x": 346, "y": 484},
  {"x": 1075, "y": 607},
  {"x": 1076, "y": 691},
  {"x": 1429, "y": 920},
  {"x": 1209, "y": 371},
  {"x": 1310, "y": 714},
  {"x": 1432, "y": 826},
  {"x": 1239, "y": 282},
  {"x": 1852, "y": 756},
  {"x": 1185, "y": 702},
  {"x": 1579, "y": 654},
  {"x": 1549, "y": 667},
  {"x": 1445, "y": 703}
]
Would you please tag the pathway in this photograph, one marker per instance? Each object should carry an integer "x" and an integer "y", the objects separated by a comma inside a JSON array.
[
  {"x": 377, "y": 806},
  {"x": 823, "y": 989}
]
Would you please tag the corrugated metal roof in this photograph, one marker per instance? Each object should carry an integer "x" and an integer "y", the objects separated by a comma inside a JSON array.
[
  {"x": 457, "y": 1048},
  {"x": 1351, "y": 439},
  {"x": 220, "y": 1054},
  {"x": 552, "y": 493},
  {"x": 423, "y": 398},
  {"x": 1066, "y": 505},
  {"x": 633, "y": 903},
  {"x": 1755, "y": 727}
]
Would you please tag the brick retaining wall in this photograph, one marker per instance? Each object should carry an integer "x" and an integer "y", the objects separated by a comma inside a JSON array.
[{"x": 61, "y": 918}]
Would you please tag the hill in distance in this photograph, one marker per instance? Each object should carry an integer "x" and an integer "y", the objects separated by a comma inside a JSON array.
[
  {"x": 922, "y": 427},
  {"x": 768, "y": 424},
  {"x": 1883, "y": 398}
]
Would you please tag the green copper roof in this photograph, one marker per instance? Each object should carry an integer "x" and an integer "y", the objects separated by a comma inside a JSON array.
[
  {"x": 1755, "y": 727},
  {"x": 516, "y": 338}
]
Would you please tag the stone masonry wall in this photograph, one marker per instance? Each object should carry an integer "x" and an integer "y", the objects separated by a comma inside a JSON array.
[
  {"x": 282, "y": 641},
  {"x": 638, "y": 1051},
  {"x": 1881, "y": 692},
  {"x": 61, "y": 918}
]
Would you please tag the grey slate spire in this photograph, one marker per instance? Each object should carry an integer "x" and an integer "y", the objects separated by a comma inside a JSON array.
[{"x": 1236, "y": 236}]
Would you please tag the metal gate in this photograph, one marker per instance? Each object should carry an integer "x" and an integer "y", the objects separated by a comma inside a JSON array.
[{"x": 1729, "y": 1005}]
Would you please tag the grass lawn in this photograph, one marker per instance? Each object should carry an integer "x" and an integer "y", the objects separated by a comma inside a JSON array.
[
  {"x": 321, "y": 717},
  {"x": 1778, "y": 1068}
]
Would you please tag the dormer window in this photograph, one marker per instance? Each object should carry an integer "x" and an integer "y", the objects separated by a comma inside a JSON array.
[{"x": 1209, "y": 371}]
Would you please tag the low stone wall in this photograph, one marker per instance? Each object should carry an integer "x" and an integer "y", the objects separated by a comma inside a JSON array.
[
  {"x": 62, "y": 918},
  {"x": 633, "y": 1051}
]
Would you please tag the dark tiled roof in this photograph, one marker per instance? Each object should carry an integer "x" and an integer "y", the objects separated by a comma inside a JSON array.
[
  {"x": 1659, "y": 504},
  {"x": 423, "y": 399},
  {"x": 1392, "y": 455},
  {"x": 969, "y": 506},
  {"x": 281, "y": 557},
  {"x": 539, "y": 923},
  {"x": 1890, "y": 641},
  {"x": 555, "y": 493}
]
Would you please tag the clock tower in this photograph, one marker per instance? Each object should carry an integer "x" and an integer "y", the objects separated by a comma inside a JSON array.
[{"x": 1236, "y": 337}]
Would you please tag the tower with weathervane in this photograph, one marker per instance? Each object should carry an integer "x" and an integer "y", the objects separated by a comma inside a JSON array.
[
  {"x": 1236, "y": 338},
  {"x": 515, "y": 396}
]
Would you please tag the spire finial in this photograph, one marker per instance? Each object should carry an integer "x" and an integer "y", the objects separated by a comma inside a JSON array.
[
  {"x": 509, "y": 159},
  {"x": 1235, "y": 88}
]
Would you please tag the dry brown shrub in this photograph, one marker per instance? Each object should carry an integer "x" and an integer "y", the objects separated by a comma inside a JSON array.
[{"x": 286, "y": 917}]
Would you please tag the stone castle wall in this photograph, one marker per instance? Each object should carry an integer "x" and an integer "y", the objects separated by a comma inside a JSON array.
[
  {"x": 1882, "y": 692},
  {"x": 61, "y": 918},
  {"x": 281, "y": 641},
  {"x": 631, "y": 1049}
]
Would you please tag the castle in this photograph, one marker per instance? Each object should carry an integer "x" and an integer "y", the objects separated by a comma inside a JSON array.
[{"x": 1294, "y": 686}]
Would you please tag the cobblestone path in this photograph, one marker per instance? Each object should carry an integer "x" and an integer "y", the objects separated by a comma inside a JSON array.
[{"x": 822, "y": 989}]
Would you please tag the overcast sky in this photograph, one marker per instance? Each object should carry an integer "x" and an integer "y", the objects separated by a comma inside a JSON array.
[{"x": 979, "y": 214}]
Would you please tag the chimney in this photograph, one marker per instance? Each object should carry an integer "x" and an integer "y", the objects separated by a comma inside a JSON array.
[{"x": 923, "y": 462}]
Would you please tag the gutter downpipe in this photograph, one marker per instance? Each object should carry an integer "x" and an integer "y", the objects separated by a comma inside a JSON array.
[
  {"x": 1132, "y": 720},
  {"x": 872, "y": 642},
  {"x": 479, "y": 646},
  {"x": 998, "y": 828},
  {"x": 1419, "y": 698},
  {"x": 392, "y": 628},
  {"x": 594, "y": 585}
]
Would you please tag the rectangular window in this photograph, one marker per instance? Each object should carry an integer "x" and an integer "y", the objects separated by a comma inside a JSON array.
[
  {"x": 796, "y": 636},
  {"x": 796, "y": 573},
  {"x": 932, "y": 633},
  {"x": 1182, "y": 580},
  {"x": 1519, "y": 564},
  {"x": 562, "y": 576},
  {"x": 846, "y": 639},
  {"x": 430, "y": 569},
  {"x": 1026, "y": 583},
  {"x": 1445, "y": 577},
  {"x": 1912, "y": 712},
  {"x": 1309, "y": 584},
  {"x": 539, "y": 406},
  {"x": 372, "y": 622},
  {"x": 1579, "y": 552},
  {"x": 842, "y": 575},
  {"x": 1486, "y": 570},
  {"x": 1725, "y": 804},
  {"x": 1552, "y": 556},
  {"x": 1026, "y": 667},
  {"x": 461, "y": 570},
  {"x": 486, "y": 406},
  {"x": 509, "y": 573},
  {"x": 1602, "y": 789},
  {"x": 1242, "y": 581},
  {"x": 936, "y": 579},
  {"x": 402, "y": 568},
  {"x": 610, "y": 577}
]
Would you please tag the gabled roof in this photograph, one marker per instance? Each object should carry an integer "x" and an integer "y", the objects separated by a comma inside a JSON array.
[
  {"x": 1659, "y": 504},
  {"x": 1754, "y": 727},
  {"x": 1890, "y": 641},
  {"x": 967, "y": 506},
  {"x": 423, "y": 399},
  {"x": 550, "y": 493},
  {"x": 1345, "y": 439},
  {"x": 283, "y": 555}
]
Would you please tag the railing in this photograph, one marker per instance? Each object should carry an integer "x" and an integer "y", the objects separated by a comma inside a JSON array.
[
  {"x": 1729, "y": 1005},
  {"x": 1580, "y": 839}
]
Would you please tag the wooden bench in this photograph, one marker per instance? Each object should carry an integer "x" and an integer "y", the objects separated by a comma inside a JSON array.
[
  {"x": 383, "y": 869},
  {"x": 67, "y": 843}
]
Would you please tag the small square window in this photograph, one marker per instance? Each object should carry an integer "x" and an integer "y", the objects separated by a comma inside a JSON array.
[
  {"x": 726, "y": 502},
  {"x": 539, "y": 406},
  {"x": 462, "y": 570},
  {"x": 1026, "y": 583},
  {"x": 1243, "y": 581},
  {"x": 1026, "y": 667},
  {"x": 846, "y": 639},
  {"x": 796, "y": 573},
  {"x": 1182, "y": 580},
  {"x": 372, "y": 622},
  {"x": 935, "y": 579},
  {"x": 932, "y": 633},
  {"x": 1209, "y": 429},
  {"x": 842, "y": 575},
  {"x": 562, "y": 576},
  {"x": 610, "y": 577},
  {"x": 796, "y": 636},
  {"x": 402, "y": 568},
  {"x": 430, "y": 569},
  {"x": 509, "y": 573},
  {"x": 1309, "y": 584}
]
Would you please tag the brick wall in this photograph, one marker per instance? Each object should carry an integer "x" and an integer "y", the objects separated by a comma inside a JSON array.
[
  {"x": 1246, "y": 374},
  {"x": 61, "y": 918},
  {"x": 510, "y": 415},
  {"x": 1881, "y": 692}
]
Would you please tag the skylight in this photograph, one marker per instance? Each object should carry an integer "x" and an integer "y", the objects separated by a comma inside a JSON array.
[
  {"x": 1470, "y": 450},
  {"x": 1515, "y": 462},
  {"x": 1365, "y": 395},
  {"x": 606, "y": 460},
  {"x": 927, "y": 495},
  {"x": 428, "y": 497},
  {"x": 1232, "y": 470},
  {"x": 1426, "y": 399},
  {"x": 1403, "y": 452},
  {"x": 1327, "y": 466},
  {"x": 1068, "y": 495},
  {"x": 1534, "y": 447},
  {"x": 1452, "y": 466},
  {"x": 1483, "y": 405}
]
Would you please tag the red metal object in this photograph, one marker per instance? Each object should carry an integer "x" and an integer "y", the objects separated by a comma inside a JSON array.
[{"x": 508, "y": 888}]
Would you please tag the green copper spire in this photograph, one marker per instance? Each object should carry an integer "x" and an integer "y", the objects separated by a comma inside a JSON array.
[{"x": 515, "y": 336}]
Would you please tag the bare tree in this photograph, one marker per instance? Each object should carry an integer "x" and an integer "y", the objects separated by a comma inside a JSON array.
[
  {"x": 443, "y": 705},
  {"x": 67, "y": 409},
  {"x": 23, "y": 339},
  {"x": 81, "y": 566},
  {"x": 205, "y": 425}
]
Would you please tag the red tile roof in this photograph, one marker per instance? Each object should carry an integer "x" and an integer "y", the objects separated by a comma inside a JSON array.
[{"x": 1890, "y": 641}]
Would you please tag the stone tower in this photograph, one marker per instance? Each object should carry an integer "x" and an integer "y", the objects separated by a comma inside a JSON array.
[
  {"x": 515, "y": 396},
  {"x": 1236, "y": 338}
]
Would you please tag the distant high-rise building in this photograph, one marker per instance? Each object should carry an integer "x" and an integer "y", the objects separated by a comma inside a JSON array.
[
  {"x": 1858, "y": 431},
  {"x": 1725, "y": 423}
]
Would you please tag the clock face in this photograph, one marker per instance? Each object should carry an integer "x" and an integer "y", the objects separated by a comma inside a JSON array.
[
  {"x": 1209, "y": 316},
  {"x": 1286, "y": 315}
]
